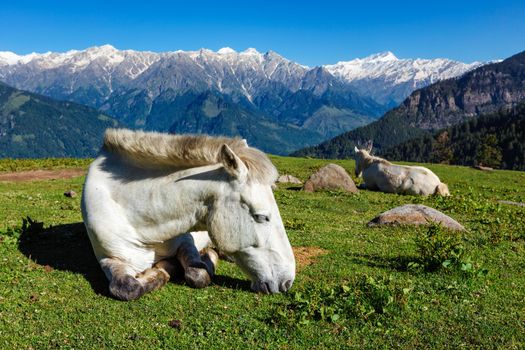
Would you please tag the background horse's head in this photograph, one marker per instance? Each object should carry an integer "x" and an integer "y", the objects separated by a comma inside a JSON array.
[
  {"x": 360, "y": 155},
  {"x": 244, "y": 222}
]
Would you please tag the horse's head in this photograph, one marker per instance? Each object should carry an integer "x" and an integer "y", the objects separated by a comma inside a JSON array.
[
  {"x": 358, "y": 157},
  {"x": 244, "y": 222}
]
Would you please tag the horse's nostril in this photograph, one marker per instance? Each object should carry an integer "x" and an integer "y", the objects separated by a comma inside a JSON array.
[
  {"x": 265, "y": 288},
  {"x": 288, "y": 284},
  {"x": 285, "y": 286}
]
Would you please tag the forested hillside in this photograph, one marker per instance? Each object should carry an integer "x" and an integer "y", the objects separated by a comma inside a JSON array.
[
  {"x": 495, "y": 140},
  {"x": 36, "y": 126}
]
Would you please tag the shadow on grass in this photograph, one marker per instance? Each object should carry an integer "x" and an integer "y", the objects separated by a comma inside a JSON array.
[
  {"x": 398, "y": 263},
  {"x": 65, "y": 248},
  {"x": 231, "y": 282}
]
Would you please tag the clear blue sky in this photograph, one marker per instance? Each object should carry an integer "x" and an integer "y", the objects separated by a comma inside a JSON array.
[{"x": 309, "y": 32}]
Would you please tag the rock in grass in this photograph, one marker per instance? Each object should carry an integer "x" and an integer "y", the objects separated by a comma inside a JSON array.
[
  {"x": 483, "y": 168},
  {"x": 415, "y": 214},
  {"x": 177, "y": 324},
  {"x": 290, "y": 179},
  {"x": 70, "y": 194},
  {"x": 518, "y": 204},
  {"x": 330, "y": 177}
]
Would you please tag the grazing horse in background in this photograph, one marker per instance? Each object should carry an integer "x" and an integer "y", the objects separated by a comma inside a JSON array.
[
  {"x": 145, "y": 190},
  {"x": 381, "y": 175}
]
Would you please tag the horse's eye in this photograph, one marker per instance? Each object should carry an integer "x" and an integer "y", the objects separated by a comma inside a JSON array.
[{"x": 261, "y": 218}]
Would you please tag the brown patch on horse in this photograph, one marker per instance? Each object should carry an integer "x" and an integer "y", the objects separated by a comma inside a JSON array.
[{"x": 305, "y": 256}]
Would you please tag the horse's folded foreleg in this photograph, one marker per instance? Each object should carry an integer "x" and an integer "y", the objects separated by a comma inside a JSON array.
[
  {"x": 124, "y": 284},
  {"x": 158, "y": 275},
  {"x": 198, "y": 270}
]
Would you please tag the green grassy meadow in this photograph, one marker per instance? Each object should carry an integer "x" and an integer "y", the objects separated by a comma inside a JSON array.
[{"x": 371, "y": 288}]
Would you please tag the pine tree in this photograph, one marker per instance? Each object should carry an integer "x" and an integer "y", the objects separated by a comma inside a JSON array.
[
  {"x": 441, "y": 150},
  {"x": 489, "y": 153}
]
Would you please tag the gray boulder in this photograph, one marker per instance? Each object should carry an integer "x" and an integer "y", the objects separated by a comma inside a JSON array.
[
  {"x": 518, "y": 204},
  {"x": 330, "y": 177},
  {"x": 415, "y": 214},
  {"x": 290, "y": 179}
]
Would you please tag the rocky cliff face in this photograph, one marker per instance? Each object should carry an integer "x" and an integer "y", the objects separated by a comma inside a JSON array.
[{"x": 484, "y": 90}]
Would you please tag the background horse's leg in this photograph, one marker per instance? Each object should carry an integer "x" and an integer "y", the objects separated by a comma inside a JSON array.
[{"x": 197, "y": 270}]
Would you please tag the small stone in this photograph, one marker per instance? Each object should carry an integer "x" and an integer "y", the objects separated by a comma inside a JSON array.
[
  {"x": 330, "y": 177},
  {"x": 518, "y": 204},
  {"x": 483, "y": 168},
  {"x": 177, "y": 324},
  {"x": 415, "y": 214},
  {"x": 70, "y": 194},
  {"x": 286, "y": 178}
]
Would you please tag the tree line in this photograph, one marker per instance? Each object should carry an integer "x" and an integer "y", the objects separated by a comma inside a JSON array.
[{"x": 495, "y": 140}]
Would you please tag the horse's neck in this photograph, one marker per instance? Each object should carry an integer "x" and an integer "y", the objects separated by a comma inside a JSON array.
[
  {"x": 196, "y": 185},
  {"x": 369, "y": 160},
  {"x": 174, "y": 203}
]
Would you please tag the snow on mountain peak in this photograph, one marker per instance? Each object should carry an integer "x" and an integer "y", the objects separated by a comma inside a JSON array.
[
  {"x": 103, "y": 48},
  {"x": 251, "y": 52},
  {"x": 8, "y": 57},
  {"x": 387, "y": 66},
  {"x": 382, "y": 57},
  {"x": 226, "y": 51},
  {"x": 11, "y": 58},
  {"x": 381, "y": 72}
]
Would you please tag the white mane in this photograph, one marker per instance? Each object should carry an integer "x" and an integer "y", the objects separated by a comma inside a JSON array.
[{"x": 153, "y": 149}]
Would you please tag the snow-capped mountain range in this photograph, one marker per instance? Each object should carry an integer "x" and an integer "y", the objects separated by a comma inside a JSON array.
[
  {"x": 204, "y": 91},
  {"x": 224, "y": 70},
  {"x": 109, "y": 69},
  {"x": 386, "y": 78}
]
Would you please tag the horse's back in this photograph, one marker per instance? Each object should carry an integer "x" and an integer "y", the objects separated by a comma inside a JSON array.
[
  {"x": 425, "y": 182},
  {"x": 393, "y": 178}
]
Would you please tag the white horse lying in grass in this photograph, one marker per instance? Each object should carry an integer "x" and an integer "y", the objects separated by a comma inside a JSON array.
[
  {"x": 146, "y": 189},
  {"x": 381, "y": 175}
]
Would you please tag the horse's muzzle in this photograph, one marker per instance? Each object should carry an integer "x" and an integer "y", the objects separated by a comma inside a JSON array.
[{"x": 271, "y": 287}]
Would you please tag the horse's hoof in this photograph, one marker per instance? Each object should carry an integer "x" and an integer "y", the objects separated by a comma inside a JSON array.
[
  {"x": 126, "y": 288},
  {"x": 197, "y": 277}
]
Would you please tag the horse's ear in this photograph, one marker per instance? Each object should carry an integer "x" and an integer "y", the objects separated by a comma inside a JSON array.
[
  {"x": 233, "y": 164},
  {"x": 356, "y": 149},
  {"x": 369, "y": 145}
]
